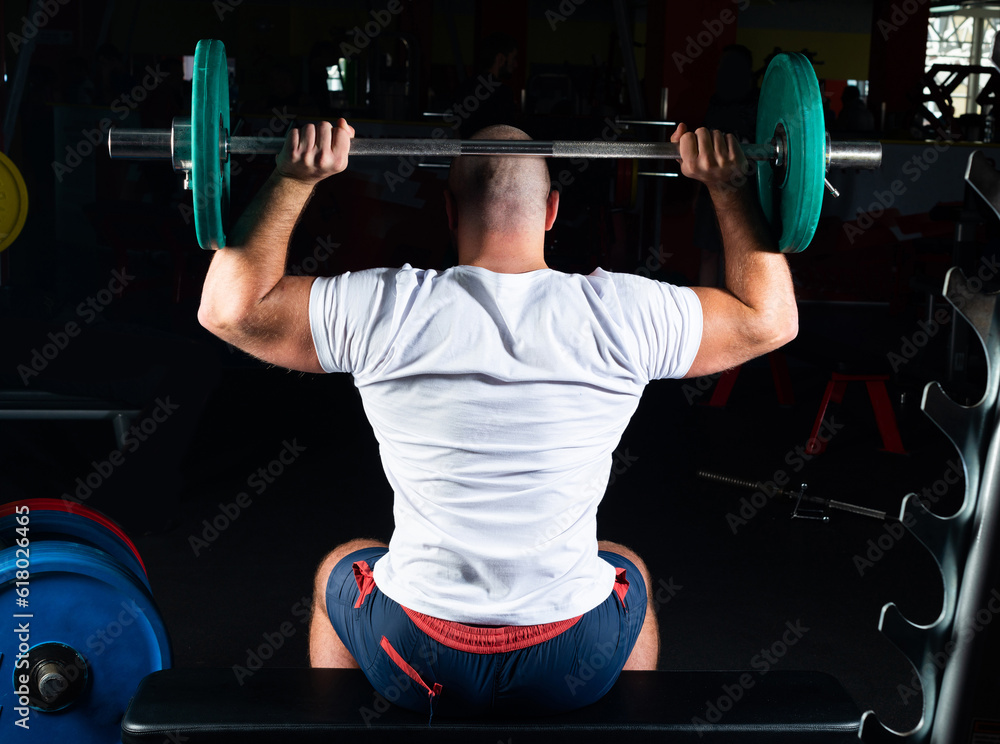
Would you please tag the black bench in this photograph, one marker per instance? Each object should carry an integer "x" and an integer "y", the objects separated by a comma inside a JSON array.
[{"x": 300, "y": 706}]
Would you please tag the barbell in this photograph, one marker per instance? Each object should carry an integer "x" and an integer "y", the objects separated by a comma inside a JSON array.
[{"x": 791, "y": 137}]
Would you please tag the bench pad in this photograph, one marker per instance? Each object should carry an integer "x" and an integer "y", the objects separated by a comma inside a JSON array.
[{"x": 301, "y": 706}]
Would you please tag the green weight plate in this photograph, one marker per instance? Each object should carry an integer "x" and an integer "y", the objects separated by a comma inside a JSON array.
[
  {"x": 209, "y": 125},
  {"x": 790, "y": 99},
  {"x": 13, "y": 202}
]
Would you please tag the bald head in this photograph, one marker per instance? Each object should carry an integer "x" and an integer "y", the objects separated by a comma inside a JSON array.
[{"x": 500, "y": 193}]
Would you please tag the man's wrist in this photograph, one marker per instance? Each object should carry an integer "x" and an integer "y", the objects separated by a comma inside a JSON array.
[
  {"x": 738, "y": 209},
  {"x": 293, "y": 183},
  {"x": 729, "y": 192}
]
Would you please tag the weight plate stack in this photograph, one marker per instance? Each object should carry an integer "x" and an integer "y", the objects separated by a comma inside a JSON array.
[
  {"x": 55, "y": 519},
  {"x": 84, "y": 628}
]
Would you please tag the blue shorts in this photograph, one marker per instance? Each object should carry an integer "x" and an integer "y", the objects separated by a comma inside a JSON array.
[{"x": 451, "y": 669}]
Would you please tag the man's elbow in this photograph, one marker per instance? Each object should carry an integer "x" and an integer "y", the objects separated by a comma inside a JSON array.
[
  {"x": 209, "y": 317},
  {"x": 779, "y": 328},
  {"x": 224, "y": 322},
  {"x": 788, "y": 331}
]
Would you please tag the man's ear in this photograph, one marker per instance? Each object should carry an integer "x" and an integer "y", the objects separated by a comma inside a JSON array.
[
  {"x": 451, "y": 209},
  {"x": 551, "y": 208}
]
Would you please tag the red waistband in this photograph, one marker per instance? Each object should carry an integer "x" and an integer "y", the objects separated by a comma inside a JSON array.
[
  {"x": 476, "y": 639},
  {"x": 479, "y": 640}
]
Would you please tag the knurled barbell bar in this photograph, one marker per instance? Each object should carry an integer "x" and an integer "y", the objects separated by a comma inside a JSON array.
[
  {"x": 174, "y": 144},
  {"x": 790, "y": 127}
]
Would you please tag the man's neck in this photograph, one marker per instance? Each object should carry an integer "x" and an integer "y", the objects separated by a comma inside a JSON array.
[
  {"x": 506, "y": 266},
  {"x": 503, "y": 254}
]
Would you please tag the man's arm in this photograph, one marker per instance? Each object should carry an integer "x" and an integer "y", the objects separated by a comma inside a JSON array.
[
  {"x": 756, "y": 312},
  {"x": 247, "y": 300}
]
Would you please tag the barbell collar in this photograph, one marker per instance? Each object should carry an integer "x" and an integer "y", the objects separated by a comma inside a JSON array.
[
  {"x": 180, "y": 147},
  {"x": 155, "y": 144}
]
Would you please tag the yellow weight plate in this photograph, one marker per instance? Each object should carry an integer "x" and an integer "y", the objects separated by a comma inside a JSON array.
[{"x": 13, "y": 202}]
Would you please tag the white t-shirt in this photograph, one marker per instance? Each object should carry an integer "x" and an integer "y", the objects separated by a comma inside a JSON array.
[{"x": 497, "y": 401}]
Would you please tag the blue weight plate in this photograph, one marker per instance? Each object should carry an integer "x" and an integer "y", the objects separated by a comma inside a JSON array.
[
  {"x": 47, "y": 524},
  {"x": 209, "y": 123},
  {"x": 81, "y": 597},
  {"x": 790, "y": 100}
]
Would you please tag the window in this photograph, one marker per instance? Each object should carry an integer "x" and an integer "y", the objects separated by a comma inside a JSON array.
[
  {"x": 962, "y": 35},
  {"x": 862, "y": 86}
]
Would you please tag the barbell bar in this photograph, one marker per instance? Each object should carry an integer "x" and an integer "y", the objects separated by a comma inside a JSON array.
[
  {"x": 790, "y": 129},
  {"x": 165, "y": 144}
]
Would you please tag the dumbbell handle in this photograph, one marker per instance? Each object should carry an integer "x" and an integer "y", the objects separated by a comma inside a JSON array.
[{"x": 155, "y": 144}]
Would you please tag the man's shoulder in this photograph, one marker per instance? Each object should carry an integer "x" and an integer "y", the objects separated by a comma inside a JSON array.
[
  {"x": 622, "y": 280},
  {"x": 386, "y": 273},
  {"x": 600, "y": 280}
]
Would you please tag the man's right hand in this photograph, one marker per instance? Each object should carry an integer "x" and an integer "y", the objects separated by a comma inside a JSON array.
[
  {"x": 312, "y": 154},
  {"x": 756, "y": 312},
  {"x": 712, "y": 157}
]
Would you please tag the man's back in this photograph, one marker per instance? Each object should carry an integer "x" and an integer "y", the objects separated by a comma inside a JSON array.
[
  {"x": 497, "y": 400},
  {"x": 576, "y": 355}
]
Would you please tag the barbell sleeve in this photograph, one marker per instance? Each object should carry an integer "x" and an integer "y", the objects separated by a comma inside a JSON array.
[
  {"x": 155, "y": 144},
  {"x": 850, "y": 154},
  {"x": 140, "y": 144}
]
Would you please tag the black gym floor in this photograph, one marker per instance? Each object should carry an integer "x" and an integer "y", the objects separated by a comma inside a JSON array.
[{"x": 295, "y": 456}]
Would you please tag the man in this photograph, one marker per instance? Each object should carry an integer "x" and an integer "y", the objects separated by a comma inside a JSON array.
[{"x": 498, "y": 390}]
